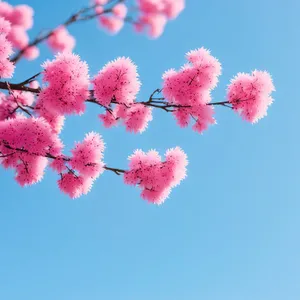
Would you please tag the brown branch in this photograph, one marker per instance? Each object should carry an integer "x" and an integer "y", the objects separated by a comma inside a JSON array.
[
  {"x": 116, "y": 171},
  {"x": 76, "y": 17},
  {"x": 49, "y": 155},
  {"x": 18, "y": 87}
]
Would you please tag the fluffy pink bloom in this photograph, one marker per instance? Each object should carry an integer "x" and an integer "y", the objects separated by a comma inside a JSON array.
[
  {"x": 21, "y": 19},
  {"x": 191, "y": 86},
  {"x": 32, "y": 53},
  {"x": 10, "y": 103},
  {"x": 74, "y": 186},
  {"x": 7, "y": 108},
  {"x": 250, "y": 94},
  {"x": 118, "y": 80},
  {"x": 86, "y": 162},
  {"x": 156, "y": 24},
  {"x": 31, "y": 169},
  {"x": 151, "y": 6},
  {"x": 108, "y": 119},
  {"x": 24, "y": 144},
  {"x": 5, "y": 10},
  {"x": 55, "y": 120},
  {"x": 100, "y": 2},
  {"x": 172, "y": 8},
  {"x": 120, "y": 10},
  {"x": 68, "y": 83},
  {"x": 22, "y": 15},
  {"x": 135, "y": 118},
  {"x": 34, "y": 84},
  {"x": 18, "y": 37},
  {"x": 5, "y": 26},
  {"x": 59, "y": 164},
  {"x": 156, "y": 178},
  {"x": 23, "y": 98},
  {"x": 138, "y": 117},
  {"x": 99, "y": 10},
  {"x": 87, "y": 156},
  {"x": 111, "y": 23},
  {"x": 6, "y": 67},
  {"x": 5, "y": 47},
  {"x": 154, "y": 14},
  {"x": 61, "y": 40}
]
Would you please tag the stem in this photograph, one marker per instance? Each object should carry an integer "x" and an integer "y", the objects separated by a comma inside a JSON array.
[
  {"x": 18, "y": 87},
  {"x": 116, "y": 171},
  {"x": 49, "y": 155},
  {"x": 76, "y": 17}
]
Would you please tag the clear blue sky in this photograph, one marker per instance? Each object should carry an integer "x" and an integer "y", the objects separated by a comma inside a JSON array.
[{"x": 229, "y": 232}]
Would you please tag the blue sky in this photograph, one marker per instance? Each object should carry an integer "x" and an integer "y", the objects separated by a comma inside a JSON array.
[{"x": 228, "y": 232}]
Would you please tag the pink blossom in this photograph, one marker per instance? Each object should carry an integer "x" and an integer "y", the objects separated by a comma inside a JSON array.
[
  {"x": 10, "y": 103},
  {"x": 191, "y": 86},
  {"x": 74, "y": 186},
  {"x": 108, "y": 119},
  {"x": 203, "y": 115},
  {"x": 112, "y": 23},
  {"x": 31, "y": 169},
  {"x": 31, "y": 53},
  {"x": 118, "y": 80},
  {"x": 173, "y": 8},
  {"x": 5, "y": 10},
  {"x": 87, "y": 156},
  {"x": 156, "y": 178},
  {"x": 18, "y": 37},
  {"x": 58, "y": 164},
  {"x": 156, "y": 23},
  {"x": 87, "y": 165},
  {"x": 138, "y": 117},
  {"x": 120, "y": 10},
  {"x": 151, "y": 6},
  {"x": 61, "y": 40},
  {"x": 22, "y": 15},
  {"x": 5, "y": 47},
  {"x": 154, "y": 14},
  {"x": 250, "y": 94},
  {"x": 55, "y": 120},
  {"x": 7, "y": 108},
  {"x": 34, "y": 84},
  {"x": 6, "y": 67},
  {"x": 100, "y": 2},
  {"x": 5, "y": 26},
  {"x": 68, "y": 83},
  {"x": 25, "y": 144},
  {"x": 99, "y": 10}
]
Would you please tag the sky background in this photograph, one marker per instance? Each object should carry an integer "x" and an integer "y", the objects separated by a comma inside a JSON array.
[{"x": 230, "y": 231}]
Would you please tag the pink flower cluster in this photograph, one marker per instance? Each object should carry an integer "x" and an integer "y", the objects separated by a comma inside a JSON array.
[
  {"x": 154, "y": 14},
  {"x": 250, "y": 94},
  {"x": 156, "y": 178},
  {"x": 25, "y": 145},
  {"x": 114, "y": 21},
  {"x": 118, "y": 81},
  {"x": 61, "y": 40},
  {"x": 10, "y": 103},
  {"x": 135, "y": 117},
  {"x": 118, "y": 84},
  {"x": 21, "y": 19},
  {"x": 86, "y": 163},
  {"x": 190, "y": 88},
  {"x": 6, "y": 67},
  {"x": 68, "y": 82}
]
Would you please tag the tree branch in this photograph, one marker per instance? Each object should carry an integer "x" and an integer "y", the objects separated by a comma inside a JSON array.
[
  {"x": 76, "y": 17},
  {"x": 49, "y": 155}
]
